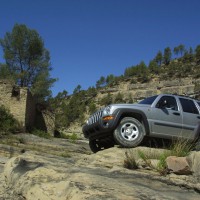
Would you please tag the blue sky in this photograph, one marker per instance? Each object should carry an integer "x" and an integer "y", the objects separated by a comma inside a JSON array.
[{"x": 92, "y": 38}]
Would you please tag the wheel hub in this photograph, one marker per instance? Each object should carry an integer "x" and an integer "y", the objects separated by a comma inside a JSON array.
[{"x": 129, "y": 131}]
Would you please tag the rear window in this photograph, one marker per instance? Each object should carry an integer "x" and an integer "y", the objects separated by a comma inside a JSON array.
[
  {"x": 188, "y": 106},
  {"x": 148, "y": 100}
]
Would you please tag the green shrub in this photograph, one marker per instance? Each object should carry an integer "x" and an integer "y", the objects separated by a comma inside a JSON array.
[
  {"x": 22, "y": 140},
  {"x": 41, "y": 133},
  {"x": 92, "y": 107},
  {"x": 7, "y": 122},
  {"x": 65, "y": 154},
  {"x": 72, "y": 137},
  {"x": 146, "y": 158}
]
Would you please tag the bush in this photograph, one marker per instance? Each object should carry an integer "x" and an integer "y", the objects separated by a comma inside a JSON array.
[
  {"x": 130, "y": 162},
  {"x": 7, "y": 122},
  {"x": 92, "y": 107},
  {"x": 106, "y": 100},
  {"x": 40, "y": 133},
  {"x": 73, "y": 137}
]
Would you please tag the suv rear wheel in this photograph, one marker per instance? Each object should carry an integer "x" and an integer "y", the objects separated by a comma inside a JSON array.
[{"x": 129, "y": 133}]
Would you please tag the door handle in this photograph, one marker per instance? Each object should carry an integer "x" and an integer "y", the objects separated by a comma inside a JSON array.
[{"x": 176, "y": 113}]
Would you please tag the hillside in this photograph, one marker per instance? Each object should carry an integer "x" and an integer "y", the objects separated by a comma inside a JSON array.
[{"x": 181, "y": 76}]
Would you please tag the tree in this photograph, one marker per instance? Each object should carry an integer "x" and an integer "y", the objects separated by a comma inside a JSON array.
[
  {"x": 62, "y": 95},
  {"x": 143, "y": 72},
  {"x": 159, "y": 58},
  {"x": 91, "y": 91},
  {"x": 153, "y": 67},
  {"x": 26, "y": 57},
  {"x": 41, "y": 87},
  {"x": 181, "y": 49},
  {"x": 77, "y": 89},
  {"x": 5, "y": 73},
  {"x": 188, "y": 56},
  {"x": 197, "y": 51},
  {"x": 101, "y": 82},
  {"x": 167, "y": 56},
  {"x": 176, "y": 51},
  {"x": 110, "y": 78}
]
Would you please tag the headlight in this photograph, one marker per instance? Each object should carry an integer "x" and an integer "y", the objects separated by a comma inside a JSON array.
[{"x": 107, "y": 110}]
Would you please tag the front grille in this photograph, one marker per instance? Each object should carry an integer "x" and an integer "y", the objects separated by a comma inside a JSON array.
[{"x": 95, "y": 117}]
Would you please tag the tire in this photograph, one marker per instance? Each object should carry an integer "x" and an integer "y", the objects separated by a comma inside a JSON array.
[
  {"x": 95, "y": 145},
  {"x": 129, "y": 133},
  {"x": 98, "y": 145}
]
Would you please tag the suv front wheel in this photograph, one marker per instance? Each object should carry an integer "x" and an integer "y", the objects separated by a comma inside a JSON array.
[{"x": 129, "y": 133}]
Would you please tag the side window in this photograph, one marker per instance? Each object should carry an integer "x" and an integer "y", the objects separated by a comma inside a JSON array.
[
  {"x": 188, "y": 106},
  {"x": 167, "y": 102}
]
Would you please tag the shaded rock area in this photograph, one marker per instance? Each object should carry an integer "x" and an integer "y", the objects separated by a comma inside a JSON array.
[{"x": 34, "y": 168}]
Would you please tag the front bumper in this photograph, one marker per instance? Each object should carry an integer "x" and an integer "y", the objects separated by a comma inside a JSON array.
[{"x": 99, "y": 129}]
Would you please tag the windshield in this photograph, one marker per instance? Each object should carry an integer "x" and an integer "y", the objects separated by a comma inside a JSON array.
[{"x": 148, "y": 100}]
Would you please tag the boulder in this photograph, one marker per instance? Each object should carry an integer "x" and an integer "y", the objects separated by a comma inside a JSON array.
[
  {"x": 178, "y": 165},
  {"x": 194, "y": 159}
]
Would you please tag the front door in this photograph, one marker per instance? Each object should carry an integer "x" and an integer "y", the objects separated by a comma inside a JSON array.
[{"x": 166, "y": 118}]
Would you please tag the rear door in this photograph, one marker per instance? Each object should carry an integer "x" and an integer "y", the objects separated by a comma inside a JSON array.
[
  {"x": 191, "y": 117},
  {"x": 166, "y": 118}
]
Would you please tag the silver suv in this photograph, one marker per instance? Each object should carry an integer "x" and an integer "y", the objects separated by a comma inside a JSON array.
[{"x": 162, "y": 116}]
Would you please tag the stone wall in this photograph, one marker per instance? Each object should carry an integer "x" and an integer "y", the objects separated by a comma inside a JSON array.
[
  {"x": 49, "y": 119},
  {"x": 19, "y": 101},
  {"x": 21, "y": 104}
]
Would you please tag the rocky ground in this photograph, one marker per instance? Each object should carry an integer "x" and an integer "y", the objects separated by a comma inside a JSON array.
[{"x": 34, "y": 168}]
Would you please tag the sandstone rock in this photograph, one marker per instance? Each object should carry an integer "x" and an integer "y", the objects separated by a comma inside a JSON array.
[
  {"x": 194, "y": 159},
  {"x": 178, "y": 165},
  {"x": 36, "y": 175}
]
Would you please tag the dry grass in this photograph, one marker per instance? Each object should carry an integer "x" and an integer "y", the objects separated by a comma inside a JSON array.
[
  {"x": 130, "y": 161},
  {"x": 179, "y": 148}
]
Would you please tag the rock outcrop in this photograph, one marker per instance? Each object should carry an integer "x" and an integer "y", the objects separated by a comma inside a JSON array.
[{"x": 42, "y": 173}]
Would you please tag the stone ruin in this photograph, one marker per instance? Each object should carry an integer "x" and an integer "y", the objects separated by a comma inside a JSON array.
[{"x": 22, "y": 106}]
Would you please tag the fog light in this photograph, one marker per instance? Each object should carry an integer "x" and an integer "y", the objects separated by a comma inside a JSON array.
[{"x": 108, "y": 118}]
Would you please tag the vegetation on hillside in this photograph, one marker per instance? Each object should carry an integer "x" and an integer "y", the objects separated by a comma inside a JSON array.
[
  {"x": 27, "y": 63},
  {"x": 177, "y": 63}
]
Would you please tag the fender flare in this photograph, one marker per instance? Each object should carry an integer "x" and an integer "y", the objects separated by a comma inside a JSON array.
[{"x": 125, "y": 112}]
